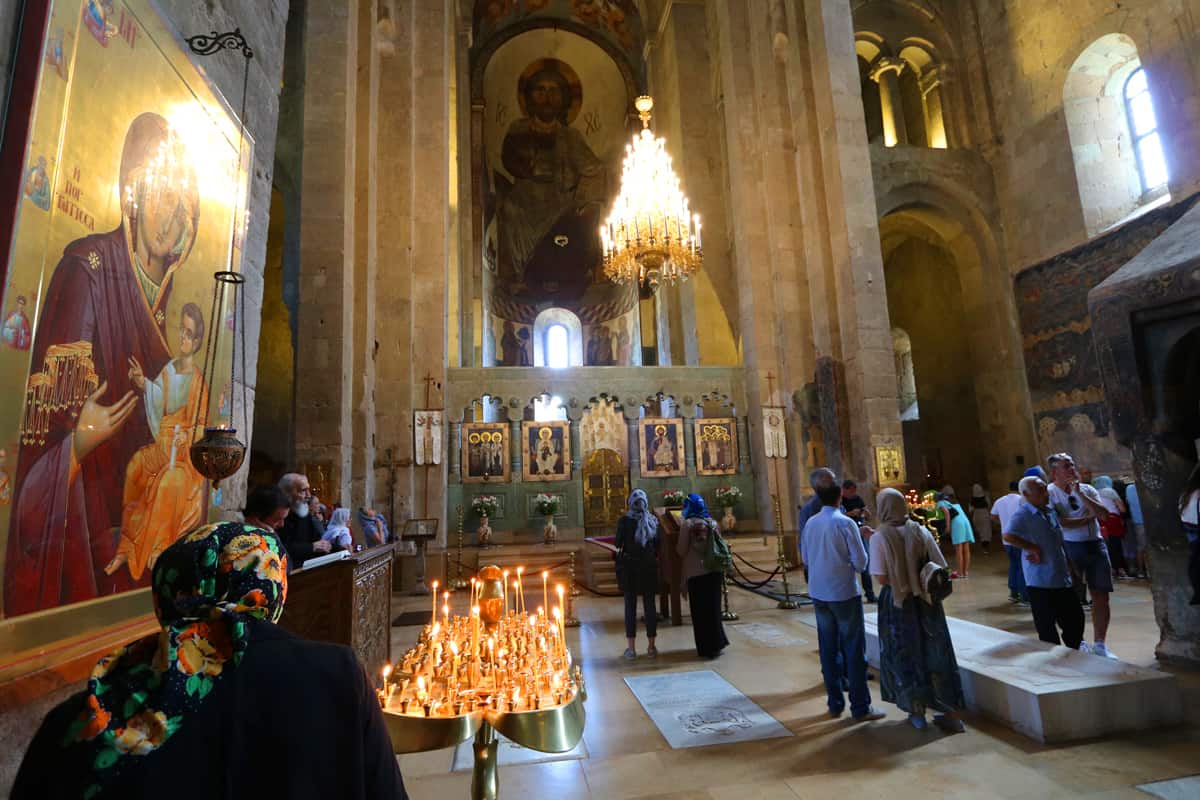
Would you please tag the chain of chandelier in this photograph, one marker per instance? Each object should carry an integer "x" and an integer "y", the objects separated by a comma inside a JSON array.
[{"x": 650, "y": 236}]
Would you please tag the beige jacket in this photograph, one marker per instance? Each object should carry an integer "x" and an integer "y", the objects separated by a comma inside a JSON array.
[{"x": 693, "y": 536}]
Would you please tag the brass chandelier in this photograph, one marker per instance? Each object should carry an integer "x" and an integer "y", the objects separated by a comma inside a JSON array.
[{"x": 651, "y": 235}]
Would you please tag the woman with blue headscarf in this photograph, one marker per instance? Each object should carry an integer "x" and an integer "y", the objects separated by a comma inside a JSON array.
[
  {"x": 637, "y": 569},
  {"x": 703, "y": 586}
]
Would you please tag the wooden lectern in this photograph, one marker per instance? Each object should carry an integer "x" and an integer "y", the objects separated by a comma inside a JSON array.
[
  {"x": 670, "y": 564},
  {"x": 346, "y": 602}
]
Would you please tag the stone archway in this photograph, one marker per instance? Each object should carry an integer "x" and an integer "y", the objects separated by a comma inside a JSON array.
[{"x": 941, "y": 259}]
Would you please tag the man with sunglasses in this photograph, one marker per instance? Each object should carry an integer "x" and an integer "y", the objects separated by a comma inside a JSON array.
[{"x": 1080, "y": 512}]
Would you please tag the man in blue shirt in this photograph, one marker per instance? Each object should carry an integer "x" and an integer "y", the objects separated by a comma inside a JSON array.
[
  {"x": 1035, "y": 529},
  {"x": 832, "y": 549}
]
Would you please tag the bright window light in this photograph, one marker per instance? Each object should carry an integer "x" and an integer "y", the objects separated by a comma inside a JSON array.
[
  {"x": 1139, "y": 107},
  {"x": 548, "y": 410},
  {"x": 557, "y": 346}
]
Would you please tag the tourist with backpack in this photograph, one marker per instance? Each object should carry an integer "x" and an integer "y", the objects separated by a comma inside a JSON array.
[
  {"x": 832, "y": 547},
  {"x": 917, "y": 668},
  {"x": 702, "y": 552}
]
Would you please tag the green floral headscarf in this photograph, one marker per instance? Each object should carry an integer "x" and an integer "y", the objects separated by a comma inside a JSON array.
[{"x": 206, "y": 586}]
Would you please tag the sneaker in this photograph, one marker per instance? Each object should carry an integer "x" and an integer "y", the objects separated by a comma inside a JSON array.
[
  {"x": 1084, "y": 647},
  {"x": 954, "y": 576},
  {"x": 629, "y": 654},
  {"x": 1099, "y": 649},
  {"x": 918, "y": 721},
  {"x": 652, "y": 652},
  {"x": 1012, "y": 598},
  {"x": 872, "y": 713}
]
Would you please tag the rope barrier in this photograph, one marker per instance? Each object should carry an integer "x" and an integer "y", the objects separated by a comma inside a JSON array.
[
  {"x": 751, "y": 585},
  {"x": 752, "y": 566}
]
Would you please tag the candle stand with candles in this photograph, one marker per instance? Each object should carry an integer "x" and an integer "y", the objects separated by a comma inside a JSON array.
[{"x": 502, "y": 667}]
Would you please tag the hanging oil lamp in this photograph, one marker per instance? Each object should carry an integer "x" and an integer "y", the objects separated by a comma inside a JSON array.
[{"x": 219, "y": 453}]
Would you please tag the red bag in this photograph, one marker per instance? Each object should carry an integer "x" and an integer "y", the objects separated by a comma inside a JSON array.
[{"x": 1113, "y": 527}]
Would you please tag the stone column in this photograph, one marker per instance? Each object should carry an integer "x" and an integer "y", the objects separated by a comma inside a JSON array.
[
  {"x": 575, "y": 417},
  {"x": 886, "y": 72},
  {"x": 936, "y": 128},
  {"x": 635, "y": 461},
  {"x": 516, "y": 449},
  {"x": 326, "y": 308},
  {"x": 743, "y": 431},
  {"x": 688, "y": 412},
  {"x": 453, "y": 450}
]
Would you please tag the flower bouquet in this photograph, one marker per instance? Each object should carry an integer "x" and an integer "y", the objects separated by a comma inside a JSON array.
[
  {"x": 485, "y": 505},
  {"x": 547, "y": 504},
  {"x": 673, "y": 497},
  {"x": 728, "y": 496}
]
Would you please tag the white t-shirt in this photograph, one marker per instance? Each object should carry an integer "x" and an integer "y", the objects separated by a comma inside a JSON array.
[
  {"x": 1005, "y": 507},
  {"x": 1060, "y": 501},
  {"x": 1188, "y": 514}
]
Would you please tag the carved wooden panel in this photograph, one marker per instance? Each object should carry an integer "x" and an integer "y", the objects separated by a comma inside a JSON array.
[{"x": 373, "y": 615}]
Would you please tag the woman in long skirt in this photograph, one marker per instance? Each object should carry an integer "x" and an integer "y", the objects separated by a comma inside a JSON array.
[
  {"x": 703, "y": 586},
  {"x": 918, "y": 670},
  {"x": 637, "y": 569}
]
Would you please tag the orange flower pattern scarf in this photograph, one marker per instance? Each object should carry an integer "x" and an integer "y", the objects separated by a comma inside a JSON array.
[{"x": 205, "y": 587}]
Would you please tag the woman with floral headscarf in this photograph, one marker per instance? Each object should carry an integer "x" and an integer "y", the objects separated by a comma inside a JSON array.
[
  {"x": 917, "y": 668},
  {"x": 220, "y": 703},
  {"x": 637, "y": 569},
  {"x": 703, "y": 586}
]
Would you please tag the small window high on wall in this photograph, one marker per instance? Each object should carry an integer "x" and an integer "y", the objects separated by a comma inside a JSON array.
[
  {"x": 1139, "y": 107},
  {"x": 557, "y": 339},
  {"x": 557, "y": 346},
  {"x": 1120, "y": 163}
]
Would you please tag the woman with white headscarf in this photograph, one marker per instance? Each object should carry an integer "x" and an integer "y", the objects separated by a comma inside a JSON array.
[
  {"x": 337, "y": 533},
  {"x": 918, "y": 670},
  {"x": 637, "y": 569}
]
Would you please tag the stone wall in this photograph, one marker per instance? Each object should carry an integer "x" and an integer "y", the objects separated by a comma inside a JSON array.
[
  {"x": 1065, "y": 384},
  {"x": 1025, "y": 52}
]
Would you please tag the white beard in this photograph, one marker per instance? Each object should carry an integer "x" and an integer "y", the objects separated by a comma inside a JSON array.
[{"x": 300, "y": 510}]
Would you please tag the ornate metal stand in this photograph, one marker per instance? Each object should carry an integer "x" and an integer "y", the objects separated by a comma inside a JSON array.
[
  {"x": 786, "y": 602},
  {"x": 551, "y": 730},
  {"x": 458, "y": 582}
]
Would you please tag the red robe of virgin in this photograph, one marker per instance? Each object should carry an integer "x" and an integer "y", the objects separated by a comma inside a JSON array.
[{"x": 65, "y": 524}]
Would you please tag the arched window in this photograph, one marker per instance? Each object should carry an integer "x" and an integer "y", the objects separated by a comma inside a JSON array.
[
  {"x": 558, "y": 346},
  {"x": 557, "y": 339},
  {"x": 546, "y": 409},
  {"x": 1139, "y": 109},
  {"x": 1117, "y": 147}
]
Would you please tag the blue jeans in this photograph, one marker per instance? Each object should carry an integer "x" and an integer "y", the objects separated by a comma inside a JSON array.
[
  {"x": 840, "y": 632},
  {"x": 1016, "y": 575}
]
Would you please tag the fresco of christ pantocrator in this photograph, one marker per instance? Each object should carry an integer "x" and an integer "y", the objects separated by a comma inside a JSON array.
[{"x": 550, "y": 209}]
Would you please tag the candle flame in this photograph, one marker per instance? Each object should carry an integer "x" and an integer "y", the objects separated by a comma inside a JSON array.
[
  {"x": 446, "y": 610},
  {"x": 545, "y": 574},
  {"x": 557, "y": 612},
  {"x": 559, "y": 588},
  {"x": 387, "y": 670},
  {"x": 420, "y": 683},
  {"x": 541, "y": 611},
  {"x": 454, "y": 648},
  {"x": 475, "y": 610},
  {"x": 520, "y": 571}
]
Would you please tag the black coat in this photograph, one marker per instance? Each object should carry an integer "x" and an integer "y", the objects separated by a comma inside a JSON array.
[
  {"x": 297, "y": 719},
  {"x": 637, "y": 566},
  {"x": 298, "y": 536}
]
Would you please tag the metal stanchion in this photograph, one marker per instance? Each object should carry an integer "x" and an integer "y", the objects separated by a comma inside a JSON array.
[
  {"x": 571, "y": 620},
  {"x": 459, "y": 582},
  {"x": 574, "y": 589},
  {"x": 786, "y": 602}
]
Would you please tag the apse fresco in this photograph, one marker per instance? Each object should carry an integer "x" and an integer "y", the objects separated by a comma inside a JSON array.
[
  {"x": 554, "y": 134},
  {"x": 128, "y": 207},
  {"x": 617, "y": 20}
]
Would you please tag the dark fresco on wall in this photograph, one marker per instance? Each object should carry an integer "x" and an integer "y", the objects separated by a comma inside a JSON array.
[{"x": 1066, "y": 389}]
